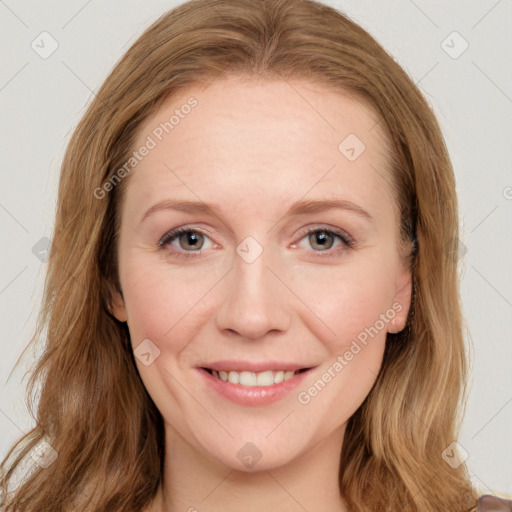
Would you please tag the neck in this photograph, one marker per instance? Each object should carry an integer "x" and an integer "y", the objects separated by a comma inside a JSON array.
[{"x": 195, "y": 483}]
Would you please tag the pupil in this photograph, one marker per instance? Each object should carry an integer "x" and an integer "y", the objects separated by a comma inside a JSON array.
[
  {"x": 192, "y": 239},
  {"x": 321, "y": 239}
]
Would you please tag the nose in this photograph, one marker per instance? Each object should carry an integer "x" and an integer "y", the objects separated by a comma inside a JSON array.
[{"x": 255, "y": 301}]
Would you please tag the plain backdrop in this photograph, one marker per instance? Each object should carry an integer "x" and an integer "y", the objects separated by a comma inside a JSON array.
[{"x": 55, "y": 54}]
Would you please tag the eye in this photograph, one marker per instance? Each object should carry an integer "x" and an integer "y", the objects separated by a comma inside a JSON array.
[
  {"x": 322, "y": 240},
  {"x": 185, "y": 239},
  {"x": 190, "y": 243}
]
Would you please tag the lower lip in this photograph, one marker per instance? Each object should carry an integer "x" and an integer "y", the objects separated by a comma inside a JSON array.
[{"x": 252, "y": 395}]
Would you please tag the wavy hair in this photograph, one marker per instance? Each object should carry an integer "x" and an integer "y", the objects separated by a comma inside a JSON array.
[{"x": 93, "y": 408}]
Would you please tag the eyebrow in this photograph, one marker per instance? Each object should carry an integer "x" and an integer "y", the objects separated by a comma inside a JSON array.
[{"x": 299, "y": 208}]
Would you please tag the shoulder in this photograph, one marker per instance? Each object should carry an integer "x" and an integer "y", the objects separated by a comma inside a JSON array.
[{"x": 489, "y": 503}]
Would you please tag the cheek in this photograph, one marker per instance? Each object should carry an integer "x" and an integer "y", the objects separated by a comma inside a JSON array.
[
  {"x": 161, "y": 307},
  {"x": 355, "y": 304},
  {"x": 161, "y": 300},
  {"x": 347, "y": 300}
]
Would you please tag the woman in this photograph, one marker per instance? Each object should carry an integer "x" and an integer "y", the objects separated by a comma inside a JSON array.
[{"x": 283, "y": 142}]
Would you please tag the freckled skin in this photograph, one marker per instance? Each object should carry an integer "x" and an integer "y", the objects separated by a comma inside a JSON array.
[{"x": 255, "y": 149}]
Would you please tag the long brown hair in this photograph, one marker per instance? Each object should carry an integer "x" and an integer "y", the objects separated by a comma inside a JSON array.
[{"x": 93, "y": 409}]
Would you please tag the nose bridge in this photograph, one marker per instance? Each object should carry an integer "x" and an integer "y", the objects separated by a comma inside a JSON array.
[
  {"x": 251, "y": 272},
  {"x": 254, "y": 303}
]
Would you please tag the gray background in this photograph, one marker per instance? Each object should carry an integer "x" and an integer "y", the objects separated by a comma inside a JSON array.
[{"x": 42, "y": 99}]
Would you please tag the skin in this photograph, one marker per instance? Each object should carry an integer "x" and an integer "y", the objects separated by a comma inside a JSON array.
[{"x": 255, "y": 148}]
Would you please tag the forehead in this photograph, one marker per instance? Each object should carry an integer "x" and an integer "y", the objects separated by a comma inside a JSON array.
[{"x": 238, "y": 141}]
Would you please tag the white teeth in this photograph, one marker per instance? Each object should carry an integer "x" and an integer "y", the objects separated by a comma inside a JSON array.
[
  {"x": 247, "y": 379},
  {"x": 266, "y": 378},
  {"x": 278, "y": 377}
]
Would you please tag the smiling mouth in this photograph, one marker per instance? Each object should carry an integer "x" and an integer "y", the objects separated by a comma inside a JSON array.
[{"x": 265, "y": 378}]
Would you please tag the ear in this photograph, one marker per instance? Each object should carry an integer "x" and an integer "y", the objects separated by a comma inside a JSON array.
[
  {"x": 401, "y": 300},
  {"x": 116, "y": 306}
]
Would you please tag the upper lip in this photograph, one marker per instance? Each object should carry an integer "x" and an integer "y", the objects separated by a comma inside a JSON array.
[{"x": 253, "y": 366}]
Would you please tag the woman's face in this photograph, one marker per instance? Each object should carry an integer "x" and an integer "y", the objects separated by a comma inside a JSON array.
[{"x": 288, "y": 260}]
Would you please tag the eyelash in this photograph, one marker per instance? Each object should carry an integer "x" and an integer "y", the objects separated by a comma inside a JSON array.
[{"x": 348, "y": 242}]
